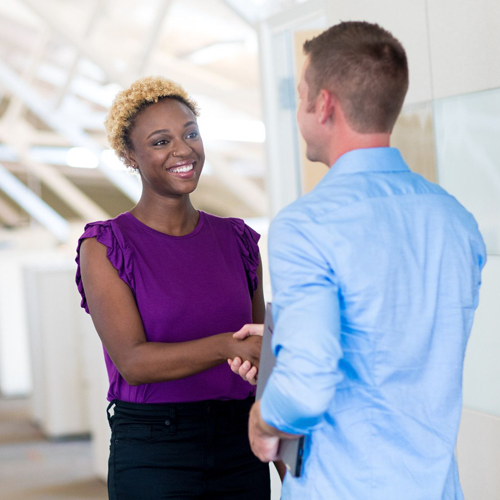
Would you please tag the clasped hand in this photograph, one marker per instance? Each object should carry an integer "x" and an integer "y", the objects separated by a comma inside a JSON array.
[{"x": 244, "y": 367}]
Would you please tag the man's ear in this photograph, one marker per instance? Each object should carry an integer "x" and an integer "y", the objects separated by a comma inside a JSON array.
[{"x": 325, "y": 105}]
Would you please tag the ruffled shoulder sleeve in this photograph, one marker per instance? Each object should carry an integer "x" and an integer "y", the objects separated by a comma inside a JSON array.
[
  {"x": 117, "y": 252},
  {"x": 247, "y": 240}
]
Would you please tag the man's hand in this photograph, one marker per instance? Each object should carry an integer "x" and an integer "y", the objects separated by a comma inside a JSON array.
[
  {"x": 248, "y": 330},
  {"x": 264, "y": 439},
  {"x": 245, "y": 369}
]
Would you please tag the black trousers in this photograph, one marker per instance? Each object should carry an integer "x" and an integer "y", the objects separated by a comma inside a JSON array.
[{"x": 194, "y": 450}]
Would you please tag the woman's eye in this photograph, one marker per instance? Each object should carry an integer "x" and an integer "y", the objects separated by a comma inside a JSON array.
[
  {"x": 163, "y": 142},
  {"x": 193, "y": 135}
]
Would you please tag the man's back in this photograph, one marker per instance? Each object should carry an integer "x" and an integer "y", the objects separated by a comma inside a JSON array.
[{"x": 379, "y": 330}]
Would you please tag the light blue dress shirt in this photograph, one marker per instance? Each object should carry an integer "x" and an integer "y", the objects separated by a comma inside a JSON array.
[{"x": 375, "y": 277}]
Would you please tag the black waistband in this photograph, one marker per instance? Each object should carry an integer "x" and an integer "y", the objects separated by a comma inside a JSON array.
[{"x": 159, "y": 411}]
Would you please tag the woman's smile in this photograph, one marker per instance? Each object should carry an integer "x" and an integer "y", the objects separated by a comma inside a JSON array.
[{"x": 183, "y": 169}]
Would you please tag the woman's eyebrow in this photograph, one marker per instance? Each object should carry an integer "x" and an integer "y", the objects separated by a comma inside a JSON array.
[
  {"x": 167, "y": 130},
  {"x": 157, "y": 132}
]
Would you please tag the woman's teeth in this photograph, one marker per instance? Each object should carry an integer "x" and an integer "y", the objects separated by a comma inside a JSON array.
[{"x": 179, "y": 170}]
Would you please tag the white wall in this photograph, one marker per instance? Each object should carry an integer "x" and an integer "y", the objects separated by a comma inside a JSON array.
[
  {"x": 464, "y": 46},
  {"x": 407, "y": 21},
  {"x": 478, "y": 454}
]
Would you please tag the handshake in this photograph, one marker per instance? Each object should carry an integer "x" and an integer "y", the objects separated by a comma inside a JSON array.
[{"x": 247, "y": 366}]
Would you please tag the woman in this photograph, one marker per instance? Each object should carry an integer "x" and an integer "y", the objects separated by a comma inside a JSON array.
[{"x": 166, "y": 286}]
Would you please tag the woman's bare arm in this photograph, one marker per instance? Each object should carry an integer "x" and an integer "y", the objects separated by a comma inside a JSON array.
[{"x": 119, "y": 325}]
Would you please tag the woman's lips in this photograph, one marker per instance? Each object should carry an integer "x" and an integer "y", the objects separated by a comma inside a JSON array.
[{"x": 184, "y": 169}]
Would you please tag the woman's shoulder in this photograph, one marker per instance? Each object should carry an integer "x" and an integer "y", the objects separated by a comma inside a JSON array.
[
  {"x": 115, "y": 222},
  {"x": 246, "y": 238},
  {"x": 233, "y": 224},
  {"x": 109, "y": 229},
  {"x": 108, "y": 233},
  {"x": 216, "y": 220}
]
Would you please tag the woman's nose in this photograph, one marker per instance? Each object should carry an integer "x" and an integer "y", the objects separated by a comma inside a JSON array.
[{"x": 181, "y": 148}]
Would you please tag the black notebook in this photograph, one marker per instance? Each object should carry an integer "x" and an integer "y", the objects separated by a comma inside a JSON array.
[{"x": 290, "y": 450}]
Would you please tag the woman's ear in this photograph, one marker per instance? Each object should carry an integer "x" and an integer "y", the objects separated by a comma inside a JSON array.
[{"x": 130, "y": 160}]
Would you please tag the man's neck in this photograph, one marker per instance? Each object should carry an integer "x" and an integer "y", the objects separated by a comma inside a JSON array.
[{"x": 354, "y": 140}]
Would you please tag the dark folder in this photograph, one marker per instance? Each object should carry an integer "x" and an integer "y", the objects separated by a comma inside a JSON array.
[{"x": 290, "y": 450}]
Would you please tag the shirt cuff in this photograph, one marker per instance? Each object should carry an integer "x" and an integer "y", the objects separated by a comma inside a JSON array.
[{"x": 284, "y": 413}]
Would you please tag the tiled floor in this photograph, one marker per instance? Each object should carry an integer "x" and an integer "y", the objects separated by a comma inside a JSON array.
[{"x": 32, "y": 468}]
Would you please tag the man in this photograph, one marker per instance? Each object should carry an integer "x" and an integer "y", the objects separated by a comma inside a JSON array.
[{"x": 375, "y": 277}]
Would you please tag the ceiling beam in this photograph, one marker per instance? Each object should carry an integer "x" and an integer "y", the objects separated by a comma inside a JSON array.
[
  {"x": 34, "y": 205},
  {"x": 16, "y": 106},
  {"x": 96, "y": 13},
  {"x": 154, "y": 34},
  {"x": 47, "y": 138},
  {"x": 69, "y": 34},
  {"x": 9, "y": 215},
  {"x": 78, "y": 201},
  {"x": 239, "y": 12}
]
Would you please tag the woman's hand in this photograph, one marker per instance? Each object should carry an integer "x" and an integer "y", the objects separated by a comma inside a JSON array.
[
  {"x": 246, "y": 369},
  {"x": 244, "y": 347}
]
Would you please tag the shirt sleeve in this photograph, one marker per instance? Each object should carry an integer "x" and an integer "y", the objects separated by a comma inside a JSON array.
[
  {"x": 119, "y": 256},
  {"x": 248, "y": 240},
  {"x": 306, "y": 337}
]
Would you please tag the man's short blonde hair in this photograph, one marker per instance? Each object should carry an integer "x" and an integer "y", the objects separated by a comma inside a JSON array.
[
  {"x": 129, "y": 102},
  {"x": 366, "y": 67}
]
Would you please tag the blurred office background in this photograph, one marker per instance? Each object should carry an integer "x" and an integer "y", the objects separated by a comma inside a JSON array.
[{"x": 62, "y": 62}]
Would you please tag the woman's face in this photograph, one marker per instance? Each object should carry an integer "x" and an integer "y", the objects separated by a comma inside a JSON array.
[{"x": 167, "y": 148}]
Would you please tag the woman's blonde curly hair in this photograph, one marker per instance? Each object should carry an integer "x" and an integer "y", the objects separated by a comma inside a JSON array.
[{"x": 129, "y": 102}]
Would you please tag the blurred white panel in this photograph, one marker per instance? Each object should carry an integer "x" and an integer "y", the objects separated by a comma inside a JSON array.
[
  {"x": 97, "y": 376},
  {"x": 15, "y": 373},
  {"x": 482, "y": 366},
  {"x": 468, "y": 157},
  {"x": 61, "y": 387},
  {"x": 406, "y": 20},
  {"x": 35, "y": 348},
  {"x": 464, "y": 46},
  {"x": 478, "y": 454},
  {"x": 24, "y": 247},
  {"x": 281, "y": 128}
]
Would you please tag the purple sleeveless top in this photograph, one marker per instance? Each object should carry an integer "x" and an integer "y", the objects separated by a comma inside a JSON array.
[{"x": 186, "y": 288}]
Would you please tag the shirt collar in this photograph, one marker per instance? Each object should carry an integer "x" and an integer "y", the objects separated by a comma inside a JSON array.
[{"x": 369, "y": 160}]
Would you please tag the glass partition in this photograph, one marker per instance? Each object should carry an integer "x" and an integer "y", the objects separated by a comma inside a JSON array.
[
  {"x": 468, "y": 157},
  {"x": 468, "y": 166}
]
